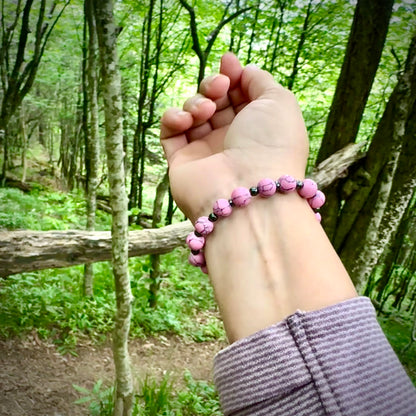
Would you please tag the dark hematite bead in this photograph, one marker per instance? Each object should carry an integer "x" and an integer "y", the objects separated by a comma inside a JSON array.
[
  {"x": 230, "y": 201},
  {"x": 299, "y": 184},
  {"x": 277, "y": 186},
  {"x": 195, "y": 252},
  {"x": 212, "y": 217},
  {"x": 197, "y": 233},
  {"x": 254, "y": 191}
]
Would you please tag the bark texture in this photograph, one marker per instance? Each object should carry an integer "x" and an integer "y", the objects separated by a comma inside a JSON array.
[
  {"x": 92, "y": 145},
  {"x": 25, "y": 251},
  {"x": 362, "y": 56},
  {"x": 384, "y": 183},
  {"x": 111, "y": 87}
]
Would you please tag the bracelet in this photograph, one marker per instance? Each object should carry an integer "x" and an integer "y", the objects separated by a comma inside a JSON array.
[{"x": 241, "y": 197}]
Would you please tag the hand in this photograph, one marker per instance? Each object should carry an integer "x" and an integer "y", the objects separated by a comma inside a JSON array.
[{"x": 240, "y": 128}]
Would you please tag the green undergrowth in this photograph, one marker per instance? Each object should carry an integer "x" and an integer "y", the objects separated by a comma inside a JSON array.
[
  {"x": 51, "y": 303},
  {"x": 398, "y": 330},
  {"x": 156, "y": 397},
  {"x": 40, "y": 210}
]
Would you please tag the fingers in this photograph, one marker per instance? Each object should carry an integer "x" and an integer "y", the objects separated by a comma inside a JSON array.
[
  {"x": 193, "y": 121},
  {"x": 179, "y": 127},
  {"x": 256, "y": 83},
  {"x": 231, "y": 67},
  {"x": 215, "y": 86},
  {"x": 174, "y": 123},
  {"x": 200, "y": 107}
]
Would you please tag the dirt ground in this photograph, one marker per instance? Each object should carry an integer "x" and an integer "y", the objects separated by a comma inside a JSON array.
[{"x": 36, "y": 380}]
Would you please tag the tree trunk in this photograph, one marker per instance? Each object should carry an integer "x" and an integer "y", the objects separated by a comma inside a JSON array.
[
  {"x": 161, "y": 190},
  {"x": 253, "y": 32},
  {"x": 111, "y": 85},
  {"x": 378, "y": 220},
  {"x": 92, "y": 150},
  {"x": 139, "y": 139},
  {"x": 281, "y": 5},
  {"x": 405, "y": 279},
  {"x": 5, "y": 139},
  {"x": 233, "y": 31},
  {"x": 394, "y": 252},
  {"x": 362, "y": 57},
  {"x": 301, "y": 43},
  {"x": 23, "y": 132}
]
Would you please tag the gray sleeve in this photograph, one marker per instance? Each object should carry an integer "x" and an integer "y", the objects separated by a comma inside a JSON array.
[{"x": 334, "y": 361}]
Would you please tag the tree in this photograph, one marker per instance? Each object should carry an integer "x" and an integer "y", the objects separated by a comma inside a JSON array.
[
  {"x": 152, "y": 81},
  {"x": 161, "y": 191},
  {"x": 381, "y": 187},
  {"x": 276, "y": 30},
  {"x": 302, "y": 39},
  {"x": 111, "y": 88},
  {"x": 203, "y": 54},
  {"x": 92, "y": 138},
  {"x": 362, "y": 57},
  {"x": 18, "y": 67}
]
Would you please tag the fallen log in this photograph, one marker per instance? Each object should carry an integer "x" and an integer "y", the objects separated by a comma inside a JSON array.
[
  {"x": 24, "y": 251},
  {"x": 336, "y": 166}
]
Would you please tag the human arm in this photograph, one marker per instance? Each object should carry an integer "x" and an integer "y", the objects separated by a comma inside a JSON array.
[{"x": 271, "y": 258}]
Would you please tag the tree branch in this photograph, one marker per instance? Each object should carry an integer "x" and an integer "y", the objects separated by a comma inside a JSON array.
[
  {"x": 196, "y": 46},
  {"x": 214, "y": 34}
]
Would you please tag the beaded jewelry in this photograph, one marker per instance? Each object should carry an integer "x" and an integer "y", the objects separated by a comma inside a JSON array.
[{"x": 241, "y": 197}]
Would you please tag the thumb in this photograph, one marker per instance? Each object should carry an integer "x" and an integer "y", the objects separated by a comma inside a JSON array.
[{"x": 257, "y": 83}]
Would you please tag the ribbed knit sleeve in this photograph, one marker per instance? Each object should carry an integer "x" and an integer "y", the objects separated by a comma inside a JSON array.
[{"x": 334, "y": 361}]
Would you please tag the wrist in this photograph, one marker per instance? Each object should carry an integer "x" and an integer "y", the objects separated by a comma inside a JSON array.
[{"x": 269, "y": 259}]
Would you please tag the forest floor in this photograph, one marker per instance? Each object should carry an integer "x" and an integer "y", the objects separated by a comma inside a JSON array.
[{"x": 36, "y": 380}]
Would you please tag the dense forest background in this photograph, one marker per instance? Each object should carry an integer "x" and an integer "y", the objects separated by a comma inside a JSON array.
[{"x": 83, "y": 86}]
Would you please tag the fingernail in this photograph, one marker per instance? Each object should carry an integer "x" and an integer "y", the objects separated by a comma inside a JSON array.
[
  {"x": 181, "y": 113},
  {"x": 252, "y": 67},
  {"x": 200, "y": 100}
]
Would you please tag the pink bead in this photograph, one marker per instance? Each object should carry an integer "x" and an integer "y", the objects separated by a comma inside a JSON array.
[
  {"x": 317, "y": 200},
  {"x": 204, "y": 269},
  {"x": 204, "y": 226},
  {"x": 222, "y": 208},
  {"x": 194, "y": 242},
  {"x": 287, "y": 183},
  {"x": 308, "y": 189},
  {"x": 197, "y": 260},
  {"x": 318, "y": 216},
  {"x": 266, "y": 187},
  {"x": 241, "y": 197}
]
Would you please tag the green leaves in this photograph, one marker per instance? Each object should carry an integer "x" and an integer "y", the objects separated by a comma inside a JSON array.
[
  {"x": 100, "y": 401},
  {"x": 156, "y": 397}
]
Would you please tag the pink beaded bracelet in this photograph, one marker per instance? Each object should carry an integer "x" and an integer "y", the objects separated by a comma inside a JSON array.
[{"x": 241, "y": 197}]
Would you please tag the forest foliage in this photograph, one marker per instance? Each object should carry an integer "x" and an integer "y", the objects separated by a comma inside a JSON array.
[{"x": 52, "y": 127}]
